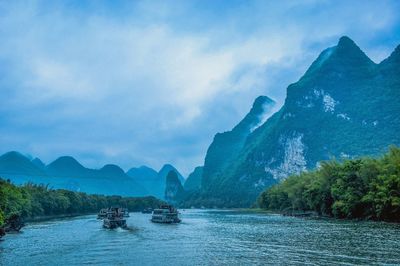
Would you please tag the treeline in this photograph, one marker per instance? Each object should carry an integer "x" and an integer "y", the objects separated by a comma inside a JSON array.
[
  {"x": 30, "y": 201},
  {"x": 362, "y": 189}
]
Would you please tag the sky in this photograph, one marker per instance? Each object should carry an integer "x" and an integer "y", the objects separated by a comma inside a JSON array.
[{"x": 151, "y": 82}]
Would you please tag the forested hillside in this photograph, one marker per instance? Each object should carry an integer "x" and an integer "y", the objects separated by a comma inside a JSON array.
[
  {"x": 30, "y": 201},
  {"x": 363, "y": 188}
]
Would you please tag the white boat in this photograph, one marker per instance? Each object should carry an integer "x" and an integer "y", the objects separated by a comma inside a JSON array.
[
  {"x": 115, "y": 218},
  {"x": 165, "y": 214}
]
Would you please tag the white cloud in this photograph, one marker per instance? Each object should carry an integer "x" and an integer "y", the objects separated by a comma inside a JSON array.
[{"x": 145, "y": 88}]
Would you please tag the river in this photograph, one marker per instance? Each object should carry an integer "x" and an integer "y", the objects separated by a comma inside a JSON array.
[{"x": 205, "y": 237}]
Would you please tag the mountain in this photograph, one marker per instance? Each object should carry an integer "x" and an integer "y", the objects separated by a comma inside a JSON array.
[
  {"x": 67, "y": 173},
  {"x": 149, "y": 179},
  {"x": 39, "y": 163},
  {"x": 226, "y": 146},
  {"x": 14, "y": 163},
  {"x": 154, "y": 182},
  {"x": 113, "y": 180},
  {"x": 112, "y": 170},
  {"x": 193, "y": 182},
  {"x": 20, "y": 169},
  {"x": 164, "y": 171},
  {"x": 67, "y": 166},
  {"x": 174, "y": 191},
  {"x": 344, "y": 106}
]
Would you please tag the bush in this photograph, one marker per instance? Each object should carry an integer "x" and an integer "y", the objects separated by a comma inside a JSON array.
[{"x": 362, "y": 188}]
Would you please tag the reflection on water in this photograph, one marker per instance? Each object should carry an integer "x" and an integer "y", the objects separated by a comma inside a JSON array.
[{"x": 204, "y": 238}]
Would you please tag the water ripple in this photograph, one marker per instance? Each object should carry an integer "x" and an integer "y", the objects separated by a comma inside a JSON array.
[{"x": 205, "y": 238}]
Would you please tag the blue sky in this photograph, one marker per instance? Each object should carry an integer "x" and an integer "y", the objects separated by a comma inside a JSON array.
[{"x": 150, "y": 82}]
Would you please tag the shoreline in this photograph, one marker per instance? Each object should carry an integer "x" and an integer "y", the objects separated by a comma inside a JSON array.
[
  {"x": 314, "y": 215},
  {"x": 55, "y": 217}
]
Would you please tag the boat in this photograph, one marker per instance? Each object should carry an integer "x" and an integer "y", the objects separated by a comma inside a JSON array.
[
  {"x": 102, "y": 213},
  {"x": 147, "y": 210},
  {"x": 115, "y": 218},
  {"x": 165, "y": 214},
  {"x": 125, "y": 212}
]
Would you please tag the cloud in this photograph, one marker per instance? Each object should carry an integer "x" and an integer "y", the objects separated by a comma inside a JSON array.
[{"x": 151, "y": 82}]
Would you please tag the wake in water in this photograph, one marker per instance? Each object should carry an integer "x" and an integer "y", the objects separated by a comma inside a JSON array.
[{"x": 128, "y": 228}]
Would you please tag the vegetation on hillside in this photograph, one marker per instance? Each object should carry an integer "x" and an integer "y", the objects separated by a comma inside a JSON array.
[
  {"x": 30, "y": 201},
  {"x": 362, "y": 188},
  {"x": 345, "y": 106}
]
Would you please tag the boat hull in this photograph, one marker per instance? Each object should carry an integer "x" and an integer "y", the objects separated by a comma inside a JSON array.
[
  {"x": 112, "y": 224},
  {"x": 166, "y": 214},
  {"x": 166, "y": 221}
]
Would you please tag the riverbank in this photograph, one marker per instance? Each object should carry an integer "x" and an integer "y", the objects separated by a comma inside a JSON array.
[
  {"x": 366, "y": 189},
  {"x": 32, "y": 202},
  {"x": 55, "y": 217},
  {"x": 311, "y": 216}
]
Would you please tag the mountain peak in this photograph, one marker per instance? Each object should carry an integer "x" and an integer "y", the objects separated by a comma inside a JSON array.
[
  {"x": 112, "y": 169},
  {"x": 65, "y": 163},
  {"x": 15, "y": 163},
  {"x": 261, "y": 100},
  {"x": 14, "y": 154},
  {"x": 259, "y": 112},
  {"x": 342, "y": 57},
  {"x": 167, "y": 165},
  {"x": 167, "y": 168},
  {"x": 394, "y": 57},
  {"x": 348, "y": 50},
  {"x": 67, "y": 159},
  {"x": 345, "y": 41}
]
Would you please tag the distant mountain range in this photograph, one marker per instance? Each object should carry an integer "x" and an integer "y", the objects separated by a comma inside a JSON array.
[
  {"x": 67, "y": 173},
  {"x": 154, "y": 182},
  {"x": 344, "y": 106}
]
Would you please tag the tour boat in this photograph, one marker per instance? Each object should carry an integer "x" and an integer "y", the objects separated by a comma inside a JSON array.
[
  {"x": 115, "y": 218},
  {"x": 165, "y": 214},
  {"x": 102, "y": 214}
]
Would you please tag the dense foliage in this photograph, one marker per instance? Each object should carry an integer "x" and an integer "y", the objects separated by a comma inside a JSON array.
[
  {"x": 363, "y": 188},
  {"x": 30, "y": 201}
]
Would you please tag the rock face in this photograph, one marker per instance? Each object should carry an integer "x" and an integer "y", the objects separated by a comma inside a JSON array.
[
  {"x": 344, "y": 106},
  {"x": 226, "y": 146},
  {"x": 174, "y": 191}
]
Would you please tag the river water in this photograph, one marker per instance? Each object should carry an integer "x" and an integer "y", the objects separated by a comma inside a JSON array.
[{"x": 205, "y": 237}]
